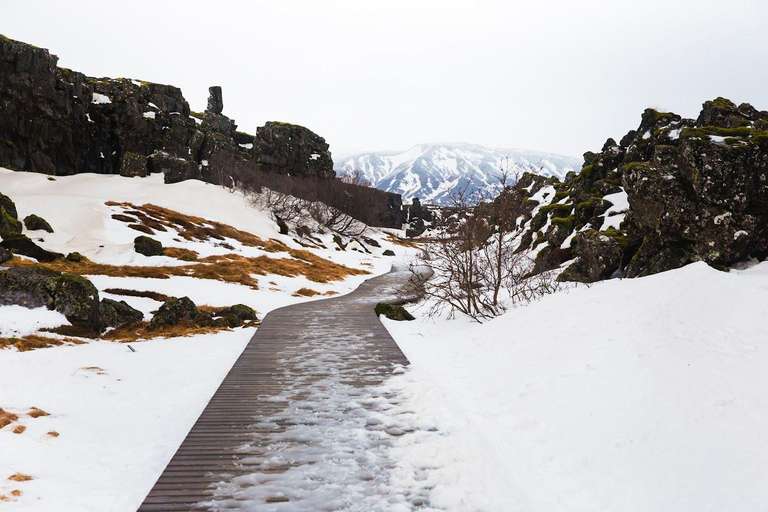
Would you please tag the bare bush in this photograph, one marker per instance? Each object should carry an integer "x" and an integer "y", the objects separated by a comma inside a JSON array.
[{"x": 477, "y": 272}]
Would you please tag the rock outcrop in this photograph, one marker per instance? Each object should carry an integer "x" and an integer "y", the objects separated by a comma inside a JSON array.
[
  {"x": 672, "y": 192},
  {"x": 60, "y": 122}
]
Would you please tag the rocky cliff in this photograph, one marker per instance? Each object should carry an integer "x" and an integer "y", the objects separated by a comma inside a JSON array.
[
  {"x": 672, "y": 192},
  {"x": 58, "y": 121}
]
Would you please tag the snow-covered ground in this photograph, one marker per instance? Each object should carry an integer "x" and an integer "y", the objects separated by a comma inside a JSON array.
[
  {"x": 117, "y": 416},
  {"x": 630, "y": 395}
]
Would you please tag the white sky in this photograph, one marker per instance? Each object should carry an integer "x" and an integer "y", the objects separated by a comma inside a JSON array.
[{"x": 555, "y": 75}]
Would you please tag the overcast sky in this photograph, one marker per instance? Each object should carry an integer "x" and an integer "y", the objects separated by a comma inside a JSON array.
[{"x": 555, "y": 75}]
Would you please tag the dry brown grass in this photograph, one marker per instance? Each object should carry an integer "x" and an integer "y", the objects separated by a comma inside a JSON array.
[
  {"x": 160, "y": 297},
  {"x": 180, "y": 254},
  {"x": 19, "y": 429},
  {"x": 95, "y": 369},
  {"x": 16, "y": 493},
  {"x": 305, "y": 292},
  {"x": 330, "y": 293},
  {"x": 6, "y": 418},
  {"x": 35, "y": 341},
  {"x": 52, "y": 433},
  {"x": 190, "y": 227},
  {"x": 405, "y": 242},
  {"x": 230, "y": 268},
  {"x": 18, "y": 477},
  {"x": 34, "y": 412},
  {"x": 142, "y": 332}
]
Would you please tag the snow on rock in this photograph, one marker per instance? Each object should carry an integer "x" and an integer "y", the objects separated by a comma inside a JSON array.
[
  {"x": 100, "y": 99},
  {"x": 631, "y": 395},
  {"x": 614, "y": 215}
]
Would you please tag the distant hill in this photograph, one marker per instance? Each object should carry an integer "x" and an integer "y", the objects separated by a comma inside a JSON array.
[{"x": 432, "y": 172}]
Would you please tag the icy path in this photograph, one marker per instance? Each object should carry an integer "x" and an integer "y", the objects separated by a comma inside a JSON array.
[{"x": 308, "y": 418}]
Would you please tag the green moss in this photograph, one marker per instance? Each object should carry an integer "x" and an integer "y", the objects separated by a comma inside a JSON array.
[
  {"x": 566, "y": 222},
  {"x": 557, "y": 209},
  {"x": 760, "y": 139},
  {"x": 619, "y": 236},
  {"x": 393, "y": 312},
  {"x": 586, "y": 171},
  {"x": 199, "y": 115},
  {"x": 9, "y": 143},
  {"x": 720, "y": 103},
  {"x": 560, "y": 194},
  {"x": 705, "y": 131}
]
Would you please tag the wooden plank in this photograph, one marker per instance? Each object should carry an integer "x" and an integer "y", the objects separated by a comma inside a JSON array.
[{"x": 224, "y": 443}]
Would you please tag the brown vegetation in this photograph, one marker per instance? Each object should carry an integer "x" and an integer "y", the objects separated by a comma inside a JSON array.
[
  {"x": 160, "y": 297},
  {"x": 6, "y": 418},
  {"x": 35, "y": 341},
  {"x": 305, "y": 292},
  {"x": 34, "y": 412},
  {"x": 52, "y": 433},
  {"x": 19, "y": 429},
  {"x": 18, "y": 477}
]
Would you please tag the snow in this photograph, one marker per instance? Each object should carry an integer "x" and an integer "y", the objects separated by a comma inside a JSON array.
[
  {"x": 100, "y": 99},
  {"x": 120, "y": 415},
  {"x": 631, "y": 395},
  {"x": 149, "y": 115},
  {"x": 647, "y": 135},
  {"x": 614, "y": 215},
  {"x": 674, "y": 134},
  {"x": 18, "y": 321},
  {"x": 248, "y": 145}
]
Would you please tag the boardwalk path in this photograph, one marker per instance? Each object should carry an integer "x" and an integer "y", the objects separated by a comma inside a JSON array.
[{"x": 302, "y": 421}]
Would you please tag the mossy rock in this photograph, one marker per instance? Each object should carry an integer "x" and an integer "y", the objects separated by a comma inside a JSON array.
[
  {"x": 339, "y": 243},
  {"x": 281, "y": 225},
  {"x": 21, "y": 244},
  {"x": 9, "y": 225},
  {"x": 176, "y": 311},
  {"x": 147, "y": 246},
  {"x": 9, "y": 205},
  {"x": 392, "y": 312},
  {"x": 74, "y": 257},
  {"x": 388, "y": 252},
  {"x": 118, "y": 314},
  {"x": 35, "y": 222}
]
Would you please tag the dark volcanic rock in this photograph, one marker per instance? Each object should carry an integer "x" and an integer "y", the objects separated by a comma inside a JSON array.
[
  {"x": 21, "y": 244},
  {"x": 5, "y": 254},
  {"x": 35, "y": 222},
  {"x": 294, "y": 150},
  {"x": 215, "y": 100},
  {"x": 60, "y": 122},
  {"x": 147, "y": 246},
  {"x": 697, "y": 191},
  {"x": 393, "y": 312},
  {"x": 118, "y": 314},
  {"x": 177, "y": 311},
  {"x": 72, "y": 295}
]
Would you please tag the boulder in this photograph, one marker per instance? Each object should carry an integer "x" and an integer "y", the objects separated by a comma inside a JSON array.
[
  {"x": 285, "y": 148},
  {"x": 147, "y": 246},
  {"x": 118, "y": 314},
  {"x": 21, "y": 244},
  {"x": 35, "y": 222},
  {"x": 393, "y": 312},
  {"x": 9, "y": 206},
  {"x": 388, "y": 252},
  {"x": 9, "y": 224},
  {"x": 72, "y": 295},
  {"x": 177, "y": 311},
  {"x": 5, "y": 254},
  {"x": 215, "y": 100},
  {"x": 235, "y": 316}
]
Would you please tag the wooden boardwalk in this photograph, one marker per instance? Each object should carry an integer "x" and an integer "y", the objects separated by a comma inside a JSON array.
[{"x": 299, "y": 423}]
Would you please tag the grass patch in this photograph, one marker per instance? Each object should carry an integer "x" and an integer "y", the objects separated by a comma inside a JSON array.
[
  {"x": 403, "y": 241},
  {"x": 6, "y": 418},
  {"x": 305, "y": 292},
  {"x": 52, "y": 433},
  {"x": 19, "y": 429},
  {"x": 35, "y": 341},
  {"x": 34, "y": 412},
  {"x": 143, "y": 332},
  {"x": 160, "y": 297},
  {"x": 18, "y": 477}
]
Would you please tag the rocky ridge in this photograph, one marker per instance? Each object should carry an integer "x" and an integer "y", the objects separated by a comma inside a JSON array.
[
  {"x": 672, "y": 192},
  {"x": 60, "y": 122}
]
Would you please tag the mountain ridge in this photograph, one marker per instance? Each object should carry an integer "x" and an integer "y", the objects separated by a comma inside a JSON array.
[{"x": 435, "y": 172}]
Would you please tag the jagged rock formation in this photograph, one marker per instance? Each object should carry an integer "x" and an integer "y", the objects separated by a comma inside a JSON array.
[
  {"x": 60, "y": 122},
  {"x": 671, "y": 192}
]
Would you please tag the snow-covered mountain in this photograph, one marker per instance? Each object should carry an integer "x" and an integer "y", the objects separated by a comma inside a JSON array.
[{"x": 432, "y": 172}]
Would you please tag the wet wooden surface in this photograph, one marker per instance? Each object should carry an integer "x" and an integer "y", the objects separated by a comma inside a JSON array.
[{"x": 297, "y": 353}]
